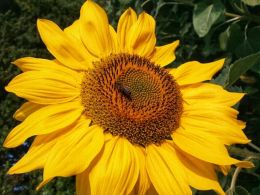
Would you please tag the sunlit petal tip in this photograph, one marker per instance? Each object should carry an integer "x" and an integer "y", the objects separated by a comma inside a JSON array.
[
  {"x": 8, "y": 144},
  {"x": 13, "y": 170},
  {"x": 98, "y": 39},
  {"x": 42, "y": 25},
  {"x": 241, "y": 123},
  {"x": 129, "y": 11},
  {"x": 9, "y": 173},
  {"x": 196, "y": 72},
  {"x": 25, "y": 110},
  {"x": 15, "y": 62},
  {"x": 19, "y": 61},
  {"x": 41, "y": 22},
  {"x": 90, "y": 3},
  {"x": 220, "y": 63},
  {"x": 177, "y": 42},
  {"x": 164, "y": 55},
  {"x": 242, "y": 94},
  {"x": 148, "y": 17},
  {"x": 43, "y": 183},
  {"x": 174, "y": 45},
  {"x": 237, "y": 96},
  {"x": 216, "y": 66},
  {"x": 245, "y": 141},
  {"x": 8, "y": 88},
  {"x": 245, "y": 164},
  {"x": 128, "y": 17}
]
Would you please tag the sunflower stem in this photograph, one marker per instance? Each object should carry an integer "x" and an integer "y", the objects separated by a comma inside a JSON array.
[
  {"x": 254, "y": 146},
  {"x": 234, "y": 180},
  {"x": 243, "y": 153},
  {"x": 246, "y": 16},
  {"x": 228, "y": 14},
  {"x": 231, "y": 189}
]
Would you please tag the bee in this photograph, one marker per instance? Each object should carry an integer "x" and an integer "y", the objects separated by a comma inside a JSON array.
[{"x": 124, "y": 90}]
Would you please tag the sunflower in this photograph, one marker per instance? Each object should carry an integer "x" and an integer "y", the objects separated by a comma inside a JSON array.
[{"x": 107, "y": 110}]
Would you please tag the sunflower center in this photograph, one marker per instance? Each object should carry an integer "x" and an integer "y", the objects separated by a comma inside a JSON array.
[
  {"x": 139, "y": 87},
  {"x": 131, "y": 97}
]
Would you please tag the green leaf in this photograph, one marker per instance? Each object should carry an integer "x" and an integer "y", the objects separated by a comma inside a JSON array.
[
  {"x": 255, "y": 191},
  {"x": 231, "y": 38},
  {"x": 252, "y": 2},
  {"x": 223, "y": 38},
  {"x": 250, "y": 44},
  {"x": 240, "y": 66},
  {"x": 205, "y": 15},
  {"x": 254, "y": 38},
  {"x": 256, "y": 68},
  {"x": 234, "y": 40},
  {"x": 244, "y": 49}
]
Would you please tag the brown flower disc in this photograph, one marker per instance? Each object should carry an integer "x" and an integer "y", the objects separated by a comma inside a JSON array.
[{"x": 129, "y": 96}]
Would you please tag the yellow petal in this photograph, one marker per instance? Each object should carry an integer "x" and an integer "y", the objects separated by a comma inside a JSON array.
[
  {"x": 114, "y": 39},
  {"x": 45, "y": 87},
  {"x": 74, "y": 30},
  {"x": 224, "y": 169},
  {"x": 43, "y": 183},
  {"x": 141, "y": 39},
  {"x": 151, "y": 191},
  {"x": 32, "y": 64},
  {"x": 204, "y": 147},
  {"x": 38, "y": 153},
  {"x": 224, "y": 131},
  {"x": 94, "y": 29},
  {"x": 165, "y": 170},
  {"x": 82, "y": 183},
  {"x": 210, "y": 93},
  {"x": 201, "y": 175},
  {"x": 218, "y": 121},
  {"x": 62, "y": 46},
  {"x": 208, "y": 110},
  {"x": 116, "y": 170},
  {"x": 164, "y": 55},
  {"x": 143, "y": 182},
  {"x": 25, "y": 110},
  {"x": 74, "y": 152},
  {"x": 195, "y": 72},
  {"x": 46, "y": 120},
  {"x": 126, "y": 20}
]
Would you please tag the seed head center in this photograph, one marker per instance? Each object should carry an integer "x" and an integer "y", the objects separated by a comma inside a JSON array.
[
  {"x": 139, "y": 87},
  {"x": 131, "y": 97}
]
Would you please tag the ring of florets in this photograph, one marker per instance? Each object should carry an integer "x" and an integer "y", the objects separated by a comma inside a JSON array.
[{"x": 130, "y": 96}]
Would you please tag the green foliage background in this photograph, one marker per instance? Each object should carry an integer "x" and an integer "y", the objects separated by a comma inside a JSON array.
[{"x": 208, "y": 30}]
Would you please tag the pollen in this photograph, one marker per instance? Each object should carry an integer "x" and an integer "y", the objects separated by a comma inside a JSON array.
[{"x": 129, "y": 96}]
